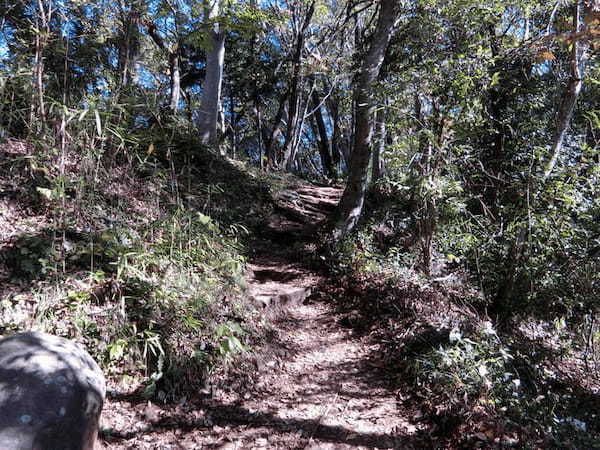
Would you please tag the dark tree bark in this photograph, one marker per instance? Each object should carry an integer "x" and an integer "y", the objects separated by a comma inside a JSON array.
[
  {"x": 351, "y": 204},
  {"x": 275, "y": 131},
  {"x": 324, "y": 149},
  {"x": 592, "y": 137},
  {"x": 174, "y": 69},
  {"x": 292, "y": 134},
  {"x": 497, "y": 105},
  {"x": 334, "y": 113},
  {"x": 129, "y": 43},
  {"x": 258, "y": 115}
]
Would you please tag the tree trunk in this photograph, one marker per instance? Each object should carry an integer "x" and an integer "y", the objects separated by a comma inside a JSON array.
[
  {"x": 565, "y": 112},
  {"x": 292, "y": 135},
  {"x": 128, "y": 44},
  {"x": 516, "y": 254},
  {"x": 175, "y": 80},
  {"x": 592, "y": 137},
  {"x": 38, "y": 103},
  {"x": 351, "y": 204},
  {"x": 208, "y": 115},
  {"x": 261, "y": 159},
  {"x": 271, "y": 158},
  {"x": 377, "y": 165},
  {"x": 336, "y": 152},
  {"x": 323, "y": 139},
  {"x": 174, "y": 67},
  {"x": 42, "y": 34},
  {"x": 498, "y": 102}
]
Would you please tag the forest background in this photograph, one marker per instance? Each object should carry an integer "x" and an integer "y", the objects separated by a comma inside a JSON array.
[{"x": 143, "y": 141}]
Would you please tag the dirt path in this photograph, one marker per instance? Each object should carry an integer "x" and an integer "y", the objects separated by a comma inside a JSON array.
[
  {"x": 316, "y": 390},
  {"x": 319, "y": 397}
]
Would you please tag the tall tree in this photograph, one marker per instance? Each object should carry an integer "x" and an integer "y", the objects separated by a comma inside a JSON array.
[
  {"x": 173, "y": 53},
  {"x": 351, "y": 203},
  {"x": 129, "y": 15},
  {"x": 43, "y": 19},
  {"x": 210, "y": 106},
  {"x": 577, "y": 60},
  {"x": 294, "y": 107},
  {"x": 321, "y": 132}
]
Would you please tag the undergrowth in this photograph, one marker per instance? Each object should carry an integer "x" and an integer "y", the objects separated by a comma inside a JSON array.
[
  {"x": 473, "y": 383},
  {"x": 141, "y": 257}
]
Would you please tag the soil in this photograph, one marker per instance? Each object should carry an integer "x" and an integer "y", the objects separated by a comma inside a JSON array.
[{"x": 316, "y": 385}]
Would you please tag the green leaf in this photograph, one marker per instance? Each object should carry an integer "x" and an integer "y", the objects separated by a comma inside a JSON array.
[
  {"x": 117, "y": 350},
  {"x": 495, "y": 79},
  {"x": 204, "y": 220}
]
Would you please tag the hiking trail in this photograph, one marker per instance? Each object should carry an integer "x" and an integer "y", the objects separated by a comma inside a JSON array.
[{"x": 317, "y": 388}]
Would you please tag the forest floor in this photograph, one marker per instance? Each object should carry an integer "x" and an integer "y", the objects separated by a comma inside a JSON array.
[
  {"x": 350, "y": 351},
  {"x": 315, "y": 384}
]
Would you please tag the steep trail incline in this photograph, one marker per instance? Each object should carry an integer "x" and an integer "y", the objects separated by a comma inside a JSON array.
[
  {"x": 318, "y": 386},
  {"x": 280, "y": 272}
]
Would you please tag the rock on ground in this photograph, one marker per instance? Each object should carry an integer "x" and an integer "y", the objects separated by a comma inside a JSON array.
[{"x": 51, "y": 394}]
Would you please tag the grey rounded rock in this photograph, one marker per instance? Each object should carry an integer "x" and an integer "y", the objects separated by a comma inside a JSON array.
[{"x": 51, "y": 394}]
